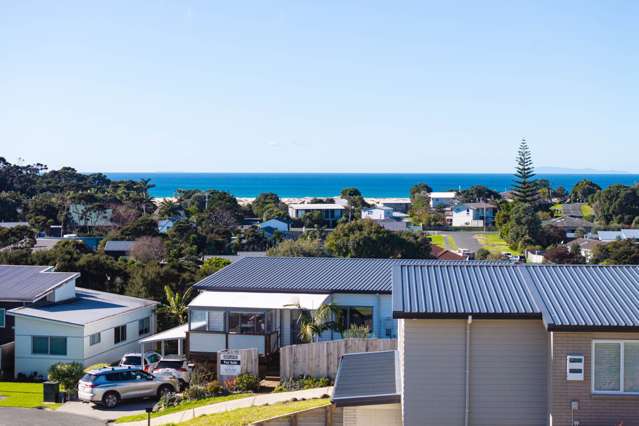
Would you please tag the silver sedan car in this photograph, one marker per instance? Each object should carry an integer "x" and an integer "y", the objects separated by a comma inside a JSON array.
[{"x": 109, "y": 386}]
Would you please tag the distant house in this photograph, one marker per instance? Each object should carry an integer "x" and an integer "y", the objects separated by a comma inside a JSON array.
[
  {"x": 401, "y": 205},
  {"x": 8, "y": 225},
  {"x": 586, "y": 246},
  {"x": 570, "y": 224},
  {"x": 84, "y": 216},
  {"x": 623, "y": 234},
  {"x": 330, "y": 212},
  {"x": 443, "y": 254},
  {"x": 165, "y": 225},
  {"x": 377, "y": 213},
  {"x": 442, "y": 199},
  {"x": 474, "y": 215},
  {"x": 117, "y": 248},
  {"x": 238, "y": 256},
  {"x": 275, "y": 224}
]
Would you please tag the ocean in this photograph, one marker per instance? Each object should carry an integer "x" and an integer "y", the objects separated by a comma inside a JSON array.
[{"x": 382, "y": 185}]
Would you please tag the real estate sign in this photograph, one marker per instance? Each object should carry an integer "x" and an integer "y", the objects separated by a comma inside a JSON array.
[{"x": 229, "y": 363}]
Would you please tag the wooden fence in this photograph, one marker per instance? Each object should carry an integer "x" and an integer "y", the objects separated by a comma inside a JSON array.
[{"x": 321, "y": 359}]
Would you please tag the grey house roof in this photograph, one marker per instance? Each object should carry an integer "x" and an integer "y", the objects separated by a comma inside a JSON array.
[
  {"x": 307, "y": 274},
  {"x": 367, "y": 378},
  {"x": 29, "y": 283},
  {"x": 566, "y": 297},
  {"x": 115, "y": 245},
  {"x": 87, "y": 307}
]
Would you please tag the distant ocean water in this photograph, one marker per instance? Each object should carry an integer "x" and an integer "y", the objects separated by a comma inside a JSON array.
[{"x": 382, "y": 185}]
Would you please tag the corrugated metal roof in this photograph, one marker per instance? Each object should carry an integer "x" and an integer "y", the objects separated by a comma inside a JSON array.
[
  {"x": 460, "y": 290},
  {"x": 28, "y": 283},
  {"x": 367, "y": 378},
  {"x": 307, "y": 275},
  {"x": 565, "y": 296},
  {"x": 115, "y": 245}
]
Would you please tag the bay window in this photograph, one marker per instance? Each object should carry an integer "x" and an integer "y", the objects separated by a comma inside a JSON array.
[{"x": 615, "y": 366}]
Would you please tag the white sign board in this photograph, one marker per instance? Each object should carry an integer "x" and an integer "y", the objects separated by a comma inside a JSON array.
[{"x": 230, "y": 363}]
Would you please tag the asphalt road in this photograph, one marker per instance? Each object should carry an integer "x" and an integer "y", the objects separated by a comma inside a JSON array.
[
  {"x": 465, "y": 240},
  {"x": 34, "y": 417},
  {"x": 125, "y": 408}
]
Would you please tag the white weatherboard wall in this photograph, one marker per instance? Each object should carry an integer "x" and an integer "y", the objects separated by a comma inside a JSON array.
[{"x": 78, "y": 340}]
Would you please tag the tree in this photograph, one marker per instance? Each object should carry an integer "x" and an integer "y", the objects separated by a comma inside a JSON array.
[
  {"x": 623, "y": 252},
  {"x": 298, "y": 248},
  {"x": 482, "y": 254},
  {"x": 544, "y": 189},
  {"x": 563, "y": 255},
  {"x": 148, "y": 249},
  {"x": 525, "y": 188},
  {"x": 420, "y": 189},
  {"x": 524, "y": 227},
  {"x": 365, "y": 238},
  {"x": 560, "y": 192},
  {"x": 144, "y": 226},
  {"x": 583, "y": 190},
  {"x": 268, "y": 205},
  {"x": 313, "y": 219},
  {"x": 616, "y": 204},
  {"x": 67, "y": 374},
  {"x": 313, "y": 323},
  {"x": 212, "y": 265},
  {"x": 420, "y": 210},
  {"x": 356, "y": 203},
  {"x": 176, "y": 306},
  {"x": 19, "y": 235},
  {"x": 478, "y": 193}
]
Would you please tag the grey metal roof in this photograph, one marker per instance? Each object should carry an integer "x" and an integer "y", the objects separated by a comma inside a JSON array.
[
  {"x": 367, "y": 378},
  {"x": 566, "y": 297},
  {"x": 88, "y": 306},
  {"x": 307, "y": 274},
  {"x": 461, "y": 290},
  {"x": 20, "y": 283},
  {"x": 115, "y": 245}
]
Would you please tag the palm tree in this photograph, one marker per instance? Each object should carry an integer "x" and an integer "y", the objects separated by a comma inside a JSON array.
[
  {"x": 313, "y": 323},
  {"x": 176, "y": 305}
]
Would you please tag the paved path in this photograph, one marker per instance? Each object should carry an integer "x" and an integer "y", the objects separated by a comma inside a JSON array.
[
  {"x": 465, "y": 240},
  {"x": 125, "y": 408},
  {"x": 259, "y": 399},
  {"x": 35, "y": 417}
]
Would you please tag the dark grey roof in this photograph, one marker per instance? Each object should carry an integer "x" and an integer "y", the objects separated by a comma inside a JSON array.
[
  {"x": 307, "y": 274},
  {"x": 29, "y": 283},
  {"x": 115, "y": 245},
  {"x": 367, "y": 378},
  {"x": 566, "y": 297},
  {"x": 88, "y": 306}
]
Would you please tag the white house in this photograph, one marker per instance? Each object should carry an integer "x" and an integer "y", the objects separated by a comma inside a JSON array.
[
  {"x": 79, "y": 325},
  {"x": 275, "y": 225},
  {"x": 442, "y": 199},
  {"x": 474, "y": 214},
  {"x": 377, "y": 213},
  {"x": 330, "y": 212}
]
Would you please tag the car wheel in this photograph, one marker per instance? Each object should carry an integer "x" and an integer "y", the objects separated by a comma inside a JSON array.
[
  {"x": 183, "y": 385},
  {"x": 164, "y": 390},
  {"x": 110, "y": 399}
]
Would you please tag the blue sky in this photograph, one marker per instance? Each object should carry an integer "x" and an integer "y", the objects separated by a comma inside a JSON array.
[{"x": 335, "y": 86}]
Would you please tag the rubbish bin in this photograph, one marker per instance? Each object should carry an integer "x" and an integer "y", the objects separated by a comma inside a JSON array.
[{"x": 51, "y": 391}]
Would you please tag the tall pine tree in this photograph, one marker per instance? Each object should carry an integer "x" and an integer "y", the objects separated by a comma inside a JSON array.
[{"x": 525, "y": 189}]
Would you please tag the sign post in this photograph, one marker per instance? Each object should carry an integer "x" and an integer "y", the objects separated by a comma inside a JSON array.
[{"x": 229, "y": 365}]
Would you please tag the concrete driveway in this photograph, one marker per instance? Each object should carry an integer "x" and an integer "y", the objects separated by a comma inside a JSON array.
[
  {"x": 34, "y": 417},
  {"x": 465, "y": 240},
  {"x": 125, "y": 408}
]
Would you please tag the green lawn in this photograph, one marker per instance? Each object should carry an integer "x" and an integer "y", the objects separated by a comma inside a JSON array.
[
  {"x": 494, "y": 244},
  {"x": 557, "y": 210},
  {"x": 586, "y": 210},
  {"x": 244, "y": 416},
  {"x": 440, "y": 240},
  {"x": 186, "y": 405},
  {"x": 23, "y": 395}
]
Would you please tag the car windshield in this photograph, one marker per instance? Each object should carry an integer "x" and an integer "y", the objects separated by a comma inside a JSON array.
[
  {"x": 89, "y": 378},
  {"x": 131, "y": 360},
  {"x": 169, "y": 364}
]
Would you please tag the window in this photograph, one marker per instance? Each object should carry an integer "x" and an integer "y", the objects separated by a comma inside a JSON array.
[
  {"x": 348, "y": 316},
  {"x": 2, "y": 317},
  {"x": 94, "y": 339},
  {"x": 615, "y": 366},
  {"x": 215, "y": 321},
  {"x": 48, "y": 345},
  {"x": 247, "y": 322},
  {"x": 144, "y": 326},
  {"x": 119, "y": 334}
]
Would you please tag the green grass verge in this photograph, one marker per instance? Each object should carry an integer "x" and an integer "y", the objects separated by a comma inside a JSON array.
[
  {"x": 494, "y": 244},
  {"x": 186, "y": 405},
  {"x": 23, "y": 395},
  {"x": 244, "y": 416},
  {"x": 437, "y": 240},
  {"x": 587, "y": 210},
  {"x": 452, "y": 244}
]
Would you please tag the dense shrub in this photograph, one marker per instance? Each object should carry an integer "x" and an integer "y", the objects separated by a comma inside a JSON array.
[
  {"x": 201, "y": 375},
  {"x": 302, "y": 382},
  {"x": 68, "y": 374},
  {"x": 195, "y": 392},
  {"x": 247, "y": 383},
  {"x": 168, "y": 400},
  {"x": 214, "y": 388}
]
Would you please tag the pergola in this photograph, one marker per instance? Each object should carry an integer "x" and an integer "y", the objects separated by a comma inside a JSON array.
[{"x": 176, "y": 333}]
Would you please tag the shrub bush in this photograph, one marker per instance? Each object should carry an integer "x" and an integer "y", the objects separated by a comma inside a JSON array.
[
  {"x": 214, "y": 388},
  {"x": 201, "y": 375},
  {"x": 68, "y": 374},
  {"x": 247, "y": 383},
  {"x": 195, "y": 392},
  {"x": 96, "y": 367},
  {"x": 168, "y": 400}
]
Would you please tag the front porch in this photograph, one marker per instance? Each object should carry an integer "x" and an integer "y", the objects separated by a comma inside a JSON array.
[{"x": 242, "y": 320}]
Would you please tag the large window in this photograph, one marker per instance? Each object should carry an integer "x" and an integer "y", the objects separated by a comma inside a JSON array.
[
  {"x": 615, "y": 366},
  {"x": 247, "y": 322},
  {"x": 48, "y": 345},
  {"x": 144, "y": 326},
  {"x": 95, "y": 338},
  {"x": 2, "y": 317},
  {"x": 119, "y": 334},
  {"x": 348, "y": 316}
]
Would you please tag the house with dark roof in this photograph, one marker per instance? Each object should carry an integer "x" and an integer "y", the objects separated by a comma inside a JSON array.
[
  {"x": 497, "y": 344},
  {"x": 570, "y": 225},
  {"x": 256, "y": 302},
  {"x": 50, "y": 320},
  {"x": 118, "y": 248}
]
